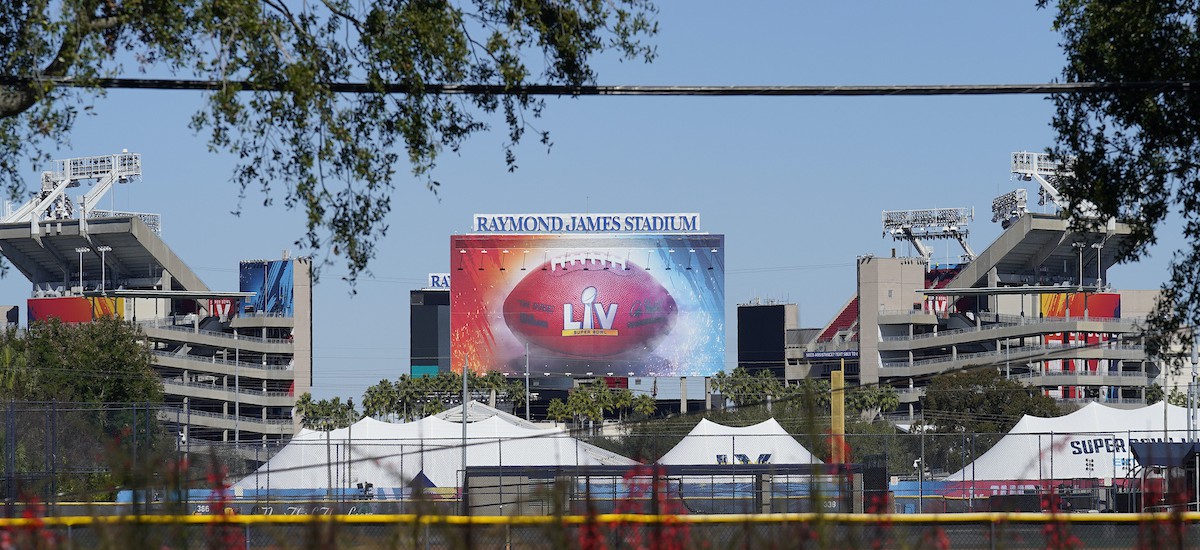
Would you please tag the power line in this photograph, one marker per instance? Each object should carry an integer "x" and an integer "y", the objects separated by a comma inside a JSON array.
[{"x": 1052, "y": 88}]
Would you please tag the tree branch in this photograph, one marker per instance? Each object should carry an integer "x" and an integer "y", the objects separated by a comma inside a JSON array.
[{"x": 15, "y": 100}]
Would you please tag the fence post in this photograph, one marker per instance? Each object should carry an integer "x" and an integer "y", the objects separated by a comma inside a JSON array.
[
  {"x": 10, "y": 459},
  {"x": 54, "y": 453},
  {"x": 47, "y": 494},
  {"x": 135, "y": 444}
]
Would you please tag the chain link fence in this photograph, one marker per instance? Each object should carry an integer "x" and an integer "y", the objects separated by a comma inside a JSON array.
[{"x": 88, "y": 460}]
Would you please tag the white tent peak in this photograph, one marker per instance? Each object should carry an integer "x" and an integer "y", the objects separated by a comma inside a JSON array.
[
  {"x": 765, "y": 442},
  {"x": 477, "y": 411}
]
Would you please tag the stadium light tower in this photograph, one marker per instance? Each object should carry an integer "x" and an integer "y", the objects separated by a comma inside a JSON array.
[
  {"x": 81, "y": 250},
  {"x": 1039, "y": 167},
  {"x": 102, "y": 250},
  {"x": 53, "y": 202},
  {"x": 915, "y": 226}
]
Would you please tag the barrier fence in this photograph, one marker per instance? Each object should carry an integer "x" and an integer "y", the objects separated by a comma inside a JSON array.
[
  {"x": 79, "y": 459},
  {"x": 1013, "y": 531}
]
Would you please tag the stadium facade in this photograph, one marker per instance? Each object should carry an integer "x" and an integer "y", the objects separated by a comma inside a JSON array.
[
  {"x": 231, "y": 362},
  {"x": 1035, "y": 304}
]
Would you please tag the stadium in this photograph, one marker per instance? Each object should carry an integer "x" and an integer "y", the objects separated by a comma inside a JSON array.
[{"x": 570, "y": 303}]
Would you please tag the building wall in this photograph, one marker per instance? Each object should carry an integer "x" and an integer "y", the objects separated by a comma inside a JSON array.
[
  {"x": 1137, "y": 303},
  {"x": 761, "y": 336},
  {"x": 302, "y": 332},
  {"x": 884, "y": 284},
  {"x": 429, "y": 329}
]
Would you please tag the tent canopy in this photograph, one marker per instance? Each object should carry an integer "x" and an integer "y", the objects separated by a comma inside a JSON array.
[
  {"x": 763, "y": 443},
  {"x": 392, "y": 455},
  {"x": 1092, "y": 442}
]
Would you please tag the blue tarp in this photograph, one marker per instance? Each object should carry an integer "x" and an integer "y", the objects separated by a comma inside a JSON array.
[{"x": 1171, "y": 454}]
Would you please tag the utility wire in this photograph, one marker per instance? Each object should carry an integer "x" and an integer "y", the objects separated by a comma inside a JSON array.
[{"x": 1051, "y": 88}]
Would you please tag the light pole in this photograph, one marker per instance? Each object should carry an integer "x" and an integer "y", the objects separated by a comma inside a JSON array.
[
  {"x": 1191, "y": 402},
  {"x": 1079, "y": 246},
  {"x": 1007, "y": 364},
  {"x": 462, "y": 487},
  {"x": 81, "y": 250},
  {"x": 1099, "y": 251},
  {"x": 102, "y": 250},
  {"x": 526, "y": 381}
]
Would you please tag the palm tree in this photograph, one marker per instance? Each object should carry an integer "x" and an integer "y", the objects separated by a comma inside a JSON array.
[
  {"x": 375, "y": 400},
  {"x": 516, "y": 391},
  {"x": 304, "y": 408},
  {"x": 644, "y": 405},
  {"x": 620, "y": 399},
  {"x": 14, "y": 378},
  {"x": 407, "y": 394},
  {"x": 557, "y": 411}
]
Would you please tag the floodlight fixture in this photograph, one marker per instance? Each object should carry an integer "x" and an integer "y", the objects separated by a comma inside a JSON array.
[
  {"x": 930, "y": 223},
  {"x": 1008, "y": 207}
]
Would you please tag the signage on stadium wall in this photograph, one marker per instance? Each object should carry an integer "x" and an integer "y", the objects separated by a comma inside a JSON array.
[
  {"x": 1104, "y": 305},
  {"x": 221, "y": 308},
  {"x": 848, "y": 354},
  {"x": 936, "y": 305},
  {"x": 586, "y": 223},
  {"x": 75, "y": 309},
  {"x": 616, "y": 305},
  {"x": 272, "y": 283},
  {"x": 438, "y": 281}
]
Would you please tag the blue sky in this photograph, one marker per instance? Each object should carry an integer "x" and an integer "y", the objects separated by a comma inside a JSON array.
[{"x": 796, "y": 184}]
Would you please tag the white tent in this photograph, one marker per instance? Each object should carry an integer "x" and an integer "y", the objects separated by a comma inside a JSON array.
[
  {"x": 763, "y": 443},
  {"x": 1090, "y": 443},
  {"x": 392, "y": 455}
]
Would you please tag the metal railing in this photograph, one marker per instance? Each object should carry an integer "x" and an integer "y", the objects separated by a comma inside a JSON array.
[
  {"x": 230, "y": 389},
  {"x": 257, "y": 313},
  {"x": 152, "y": 221},
  {"x": 1085, "y": 373},
  {"x": 214, "y": 360},
  {"x": 1117, "y": 400},
  {"x": 1008, "y": 317},
  {"x": 168, "y": 324},
  {"x": 173, "y": 413},
  {"x": 1048, "y": 348}
]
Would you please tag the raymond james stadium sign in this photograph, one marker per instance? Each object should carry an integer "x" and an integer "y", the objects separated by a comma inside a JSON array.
[{"x": 586, "y": 223}]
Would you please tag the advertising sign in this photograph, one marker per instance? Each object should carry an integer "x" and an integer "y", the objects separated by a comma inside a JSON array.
[
  {"x": 272, "y": 283},
  {"x": 621, "y": 305},
  {"x": 221, "y": 308},
  {"x": 75, "y": 309},
  {"x": 1101, "y": 305}
]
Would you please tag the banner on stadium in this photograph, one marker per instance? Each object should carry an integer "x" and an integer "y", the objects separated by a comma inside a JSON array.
[{"x": 609, "y": 305}]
